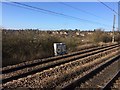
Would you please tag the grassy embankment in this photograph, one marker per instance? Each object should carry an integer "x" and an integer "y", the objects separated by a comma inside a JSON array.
[{"x": 24, "y": 45}]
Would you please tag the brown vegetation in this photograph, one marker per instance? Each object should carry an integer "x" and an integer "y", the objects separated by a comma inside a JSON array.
[{"x": 23, "y": 45}]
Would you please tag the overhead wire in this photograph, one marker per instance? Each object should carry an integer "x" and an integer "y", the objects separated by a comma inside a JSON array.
[
  {"x": 29, "y": 8},
  {"x": 112, "y": 9},
  {"x": 78, "y": 9},
  {"x": 21, "y": 7},
  {"x": 109, "y": 7},
  {"x": 55, "y": 13}
]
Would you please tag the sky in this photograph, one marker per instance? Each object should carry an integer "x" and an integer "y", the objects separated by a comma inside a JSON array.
[{"x": 90, "y": 15}]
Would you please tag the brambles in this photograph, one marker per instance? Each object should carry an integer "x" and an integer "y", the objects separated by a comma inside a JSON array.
[
  {"x": 25, "y": 45},
  {"x": 19, "y": 46}
]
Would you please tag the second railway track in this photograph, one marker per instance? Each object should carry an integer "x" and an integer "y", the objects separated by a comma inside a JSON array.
[
  {"x": 40, "y": 61},
  {"x": 115, "y": 82},
  {"x": 103, "y": 77},
  {"x": 39, "y": 67},
  {"x": 61, "y": 74}
]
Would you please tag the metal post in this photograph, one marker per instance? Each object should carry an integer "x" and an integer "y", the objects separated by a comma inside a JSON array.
[{"x": 113, "y": 37}]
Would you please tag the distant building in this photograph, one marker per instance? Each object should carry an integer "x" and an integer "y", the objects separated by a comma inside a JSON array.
[
  {"x": 77, "y": 33},
  {"x": 82, "y": 34},
  {"x": 61, "y": 33},
  {"x": 89, "y": 33},
  {"x": 55, "y": 32},
  {"x": 65, "y": 33}
]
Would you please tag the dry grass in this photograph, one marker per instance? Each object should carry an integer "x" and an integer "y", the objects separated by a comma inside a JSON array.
[{"x": 24, "y": 45}]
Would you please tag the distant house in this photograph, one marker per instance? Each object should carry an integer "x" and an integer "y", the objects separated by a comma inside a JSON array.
[
  {"x": 55, "y": 32},
  {"x": 77, "y": 33},
  {"x": 61, "y": 33},
  {"x": 89, "y": 33},
  {"x": 65, "y": 33},
  {"x": 111, "y": 33},
  {"x": 82, "y": 34}
]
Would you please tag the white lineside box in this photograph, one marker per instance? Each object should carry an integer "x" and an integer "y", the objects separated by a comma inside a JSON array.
[{"x": 59, "y": 49}]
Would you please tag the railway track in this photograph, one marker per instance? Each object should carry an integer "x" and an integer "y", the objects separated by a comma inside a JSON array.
[
  {"x": 67, "y": 74},
  {"x": 10, "y": 75},
  {"x": 102, "y": 79},
  {"x": 91, "y": 79},
  {"x": 115, "y": 82},
  {"x": 40, "y": 61}
]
